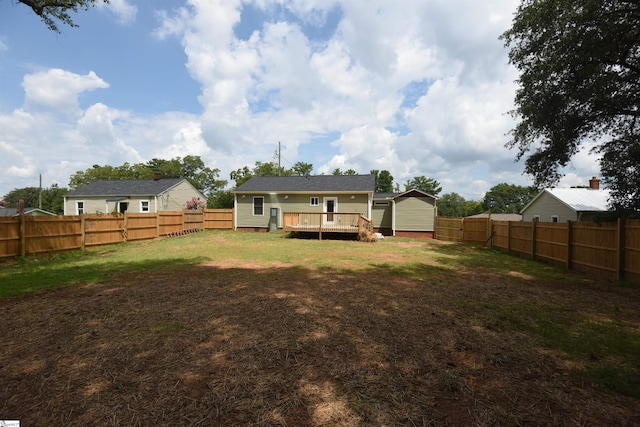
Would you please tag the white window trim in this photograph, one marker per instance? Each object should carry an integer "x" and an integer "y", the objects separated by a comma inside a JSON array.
[
  {"x": 253, "y": 205},
  {"x": 536, "y": 218},
  {"x": 78, "y": 207},
  {"x": 317, "y": 201},
  {"x": 554, "y": 218},
  {"x": 142, "y": 202}
]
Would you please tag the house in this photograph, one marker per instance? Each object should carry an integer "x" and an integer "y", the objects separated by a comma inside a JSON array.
[
  {"x": 141, "y": 195},
  {"x": 339, "y": 203},
  {"x": 408, "y": 214},
  {"x": 567, "y": 204},
  {"x": 27, "y": 211}
]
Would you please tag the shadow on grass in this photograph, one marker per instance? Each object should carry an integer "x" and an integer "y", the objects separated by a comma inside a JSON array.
[{"x": 191, "y": 344}]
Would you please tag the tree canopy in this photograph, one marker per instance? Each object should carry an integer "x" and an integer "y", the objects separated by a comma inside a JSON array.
[
  {"x": 242, "y": 175},
  {"x": 384, "y": 181},
  {"x": 422, "y": 183},
  {"x": 508, "y": 198},
  {"x": 454, "y": 205},
  {"x": 579, "y": 65},
  {"x": 53, "y": 11},
  {"x": 192, "y": 168},
  {"x": 52, "y": 198}
]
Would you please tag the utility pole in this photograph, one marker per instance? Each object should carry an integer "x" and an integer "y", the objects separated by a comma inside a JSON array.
[
  {"x": 40, "y": 194},
  {"x": 279, "y": 156}
]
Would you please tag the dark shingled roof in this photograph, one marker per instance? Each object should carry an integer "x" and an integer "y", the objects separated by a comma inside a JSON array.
[
  {"x": 305, "y": 184},
  {"x": 126, "y": 187}
]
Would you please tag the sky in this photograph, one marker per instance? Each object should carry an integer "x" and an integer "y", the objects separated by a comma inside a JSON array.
[{"x": 415, "y": 87}]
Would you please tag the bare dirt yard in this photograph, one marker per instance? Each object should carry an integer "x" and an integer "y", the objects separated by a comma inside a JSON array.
[{"x": 234, "y": 341}]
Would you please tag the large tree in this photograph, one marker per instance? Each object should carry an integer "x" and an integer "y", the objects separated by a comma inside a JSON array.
[
  {"x": 52, "y": 198},
  {"x": 454, "y": 205},
  {"x": 508, "y": 198},
  {"x": 384, "y": 181},
  {"x": 53, "y": 11},
  {"x": 428, "y": 185},
  {"x": 192, "y": 168},
  {"x": 579, "y": 65}
]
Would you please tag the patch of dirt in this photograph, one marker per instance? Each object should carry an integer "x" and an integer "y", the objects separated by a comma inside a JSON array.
[{"x": 235, "y": 343}]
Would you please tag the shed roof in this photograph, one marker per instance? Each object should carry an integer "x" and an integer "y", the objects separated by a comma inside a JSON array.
[
  {"x": 578, "y": 199},
  {"x": 126, "y": 187},
  {"x": 307, "y": 184}
]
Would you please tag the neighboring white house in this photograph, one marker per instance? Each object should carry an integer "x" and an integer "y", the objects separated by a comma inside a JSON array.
[
  {"x": 142, "y": 195},
  {"x": 568, "y": 204}
]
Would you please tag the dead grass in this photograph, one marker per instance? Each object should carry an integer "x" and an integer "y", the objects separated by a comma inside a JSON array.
[{"x": 235, "y": 341}]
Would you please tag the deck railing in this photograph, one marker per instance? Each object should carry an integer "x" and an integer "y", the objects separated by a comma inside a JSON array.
[{"x": 326, "y": 222}]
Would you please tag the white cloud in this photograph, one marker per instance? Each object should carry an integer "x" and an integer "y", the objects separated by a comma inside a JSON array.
[
  {"x": 58, "y": 89},
  {"x": 124, "y": 11}
]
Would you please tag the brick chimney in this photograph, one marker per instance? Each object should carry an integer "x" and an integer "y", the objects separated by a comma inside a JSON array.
[
  {"x": 157, "y": 175},
  {"x": 594, "y": 183}
]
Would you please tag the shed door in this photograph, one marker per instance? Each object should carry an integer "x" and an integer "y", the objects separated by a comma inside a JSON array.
[{"x": 330, "y": 206}]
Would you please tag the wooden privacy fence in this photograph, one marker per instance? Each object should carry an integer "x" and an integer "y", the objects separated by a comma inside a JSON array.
[
  {"x": 26, "y": 235},
  {"x": 609, "y": 250}
]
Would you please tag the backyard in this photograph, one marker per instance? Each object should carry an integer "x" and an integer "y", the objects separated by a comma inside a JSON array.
[{"x": 224, "y": 328}]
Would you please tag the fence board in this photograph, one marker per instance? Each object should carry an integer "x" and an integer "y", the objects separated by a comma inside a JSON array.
[
  {"x": 52, "y": 233},
  {"x": 475, "y": 230},
  {"x": 142, "y": 226},
  {"x": 215, "y": 219},
  {"x": 104, "y": 229},
  {"x": 449, "y": 229},
  {"x": 9, "y": 236},
  {"x": 631, "y": 250}
]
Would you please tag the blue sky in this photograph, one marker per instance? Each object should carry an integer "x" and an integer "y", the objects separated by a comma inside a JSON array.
[{"x": 418, "y": 87}]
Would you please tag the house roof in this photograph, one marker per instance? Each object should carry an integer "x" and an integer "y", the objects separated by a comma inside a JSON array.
[
  {"x": 498, "y": 216},
  {"x": 307, "y": 184},
  {"x": 27, "y": 211},
  {"x": 578, "y": 199},
  {"x": 126, "y": 187}
]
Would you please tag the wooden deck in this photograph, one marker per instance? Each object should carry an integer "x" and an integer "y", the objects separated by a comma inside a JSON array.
[{"x": 326, "y": 222}]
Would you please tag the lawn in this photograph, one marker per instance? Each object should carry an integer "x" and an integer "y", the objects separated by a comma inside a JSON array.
[{"x": 224, "y": 328}]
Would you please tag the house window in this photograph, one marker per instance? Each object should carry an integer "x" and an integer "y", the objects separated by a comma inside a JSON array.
[
  {"x": 536, "y": 218},
  {"x": 123, "y": 207},
  {"x": 258, "y": 206},
  {"x": 380, "y": 203},
  {"x": 79, "y": 208},
  {"x": 315, "y": 201},
  {"x": 554, "y": 218},
  {"x": 144, "y": 206}
]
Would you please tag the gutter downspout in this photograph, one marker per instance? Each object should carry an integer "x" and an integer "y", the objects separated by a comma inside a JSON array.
[
  {"x": 393, "y": 217},
  {"x": 235, "y": 212}
]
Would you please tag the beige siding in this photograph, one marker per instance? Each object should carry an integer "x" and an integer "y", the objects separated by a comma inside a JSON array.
[
  {"x": 415, "y": 214},
  {"x": 546, "y": 206},
  {"x": 173, "y": 200},
  {"x": 292, "y": 203}
]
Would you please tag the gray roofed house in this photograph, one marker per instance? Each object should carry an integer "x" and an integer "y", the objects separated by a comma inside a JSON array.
[
  {"x": 262, "y": 202},
  {"x": 27, "y": 211},
  {"x": 142, "y": 195}
]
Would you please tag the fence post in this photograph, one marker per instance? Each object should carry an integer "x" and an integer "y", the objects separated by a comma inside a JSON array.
[
  {"x": 620, "y": 250},
  {"x": 508, "y": 237},
  {"x": 184, "y": 212},
  {"x": 124, "y": 229},
  {"x": 569, "y": 227},
  {"x": 533, "y": 239}
]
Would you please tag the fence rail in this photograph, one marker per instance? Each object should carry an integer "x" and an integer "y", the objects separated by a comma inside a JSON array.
[
  {"x": 27, "y": 235},
  {"x": 609, "y": 250}
]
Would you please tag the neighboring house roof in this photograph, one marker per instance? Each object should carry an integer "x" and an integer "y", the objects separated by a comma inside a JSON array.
[
  {"x": 578, "y": 199},
  {"x": 27, "y": 211},
  {"x": 308, "y": 184},
  {"x": 498, "y": 216},
  {"x": 129, "y": 187}
]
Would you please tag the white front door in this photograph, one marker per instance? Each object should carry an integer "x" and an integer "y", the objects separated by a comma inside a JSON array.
[{"x": 330, "y": 205}]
